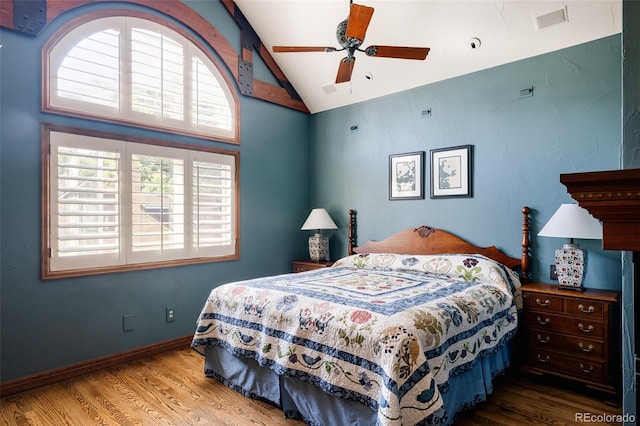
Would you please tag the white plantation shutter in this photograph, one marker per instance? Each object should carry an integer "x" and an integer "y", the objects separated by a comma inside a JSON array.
[
  {"x": 121, "y": 203},
  {"x": 157, "y": 204},
  {"x": 213, "y": 218},
  {"x": 90, "y": 71},
  {"x": 210, "y": 105},
  {"x": 137, "y": 71},
  {"x": 157, "y": 75},
  {"x": 85, "y": 202}
]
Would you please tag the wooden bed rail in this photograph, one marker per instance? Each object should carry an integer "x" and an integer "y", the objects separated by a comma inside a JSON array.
[{"x": 426, "y": 240}]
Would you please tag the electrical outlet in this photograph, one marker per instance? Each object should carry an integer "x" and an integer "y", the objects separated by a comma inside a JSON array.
[
  {"x": 127, "y": 322},
  {"x": 171, "y": 314},
  {"x": 553, "y": 274}
]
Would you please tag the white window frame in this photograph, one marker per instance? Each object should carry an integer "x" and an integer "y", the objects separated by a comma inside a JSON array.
[
  {"x": 56, "y": 266},
  {"x": 69, "y": 36}
]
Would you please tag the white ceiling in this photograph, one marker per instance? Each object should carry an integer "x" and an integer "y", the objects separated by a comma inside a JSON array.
[{"x": 507, "y": 31}]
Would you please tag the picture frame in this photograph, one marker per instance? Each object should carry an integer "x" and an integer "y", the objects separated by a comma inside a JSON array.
[
  {"x": 406, "y": 176},
  {"x": 451, "y": 172}
]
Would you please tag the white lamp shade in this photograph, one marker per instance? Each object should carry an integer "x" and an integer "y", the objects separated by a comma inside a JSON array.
[
  {"x": 572, "y": 221},
  {"x": 318, "y": 219}
]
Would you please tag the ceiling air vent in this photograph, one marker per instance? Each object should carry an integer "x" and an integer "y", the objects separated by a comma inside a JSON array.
[{"x": 553, "y": 18}]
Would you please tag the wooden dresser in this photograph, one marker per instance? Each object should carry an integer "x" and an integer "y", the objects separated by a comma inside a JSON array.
[{"x": 573, "y": 335}]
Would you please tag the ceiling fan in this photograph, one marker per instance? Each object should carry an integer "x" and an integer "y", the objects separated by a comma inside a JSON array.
[{"x": 350, "y": 34}]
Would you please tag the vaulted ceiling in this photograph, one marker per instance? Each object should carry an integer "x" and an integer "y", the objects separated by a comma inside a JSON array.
[{"x": 507, "y": 31}]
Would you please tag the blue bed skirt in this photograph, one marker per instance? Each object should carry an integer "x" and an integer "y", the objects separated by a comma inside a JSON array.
[{"x": 316, "y": 407}]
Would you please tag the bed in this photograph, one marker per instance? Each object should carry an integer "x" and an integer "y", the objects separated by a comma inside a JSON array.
[{"x": 408, "y": 330}]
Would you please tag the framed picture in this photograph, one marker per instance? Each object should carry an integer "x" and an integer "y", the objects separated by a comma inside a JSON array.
[
  {"x": 406, "y": 176},
  {"x": 451, "y": 172}
]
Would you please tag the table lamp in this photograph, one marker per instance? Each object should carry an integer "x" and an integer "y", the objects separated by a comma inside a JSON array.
[
  {"x": 571, "y": 221},
  {"x": 318, "y": 244}
]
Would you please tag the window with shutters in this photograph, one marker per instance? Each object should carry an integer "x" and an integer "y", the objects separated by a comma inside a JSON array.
[
  {"x": 113, "y": 204},
  {"x": 136, "y": 71}
]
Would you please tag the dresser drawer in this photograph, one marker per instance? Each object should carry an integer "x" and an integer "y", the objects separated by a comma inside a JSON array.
[
  {"x": 572, "y": 334},
  {"x": 583, "y": 369},
  {"x": 587, "y": 308},
  {"x": 562, "y": 324},
  {"x": 544, "y": 302},
  {"x": 573, "y": 346}
]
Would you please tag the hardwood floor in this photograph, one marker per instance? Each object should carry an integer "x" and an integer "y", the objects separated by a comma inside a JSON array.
[
  {"x": 170, "y": 389},
  {"x": 518, "y": 399}
]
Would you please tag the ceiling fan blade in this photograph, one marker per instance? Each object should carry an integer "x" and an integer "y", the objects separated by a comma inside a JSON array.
[
  {"x": 399, "y": 52},
  {"x": 285, "y": 49},
  {"x": 359, "y": 18},
  {"x": 345, "y": 69}
]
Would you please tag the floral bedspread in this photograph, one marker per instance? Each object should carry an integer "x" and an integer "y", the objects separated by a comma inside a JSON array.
[{"x": 385, "y": 330}]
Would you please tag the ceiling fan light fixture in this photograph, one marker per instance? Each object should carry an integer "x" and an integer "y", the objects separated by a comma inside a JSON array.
[
  {"x": 350, "y": 34},
  {"x": 341, "y": 30}
]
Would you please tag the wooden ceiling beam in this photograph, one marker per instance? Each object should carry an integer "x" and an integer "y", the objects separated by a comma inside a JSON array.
[
  {"x": 250, "y": 40},
  {"x": 32, "y": 16}
]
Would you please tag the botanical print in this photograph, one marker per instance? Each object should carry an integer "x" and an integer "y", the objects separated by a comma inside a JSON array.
[
  {"x": 449, "y": 172},
  {"x": 406, "y": 176}
]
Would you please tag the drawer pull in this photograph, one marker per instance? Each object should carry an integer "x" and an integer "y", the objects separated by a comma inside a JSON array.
[
  {"x": 586, "y": 330},
  {"x": 586, "y": 370},
  {"x": 589, "y": 310},
  {"x": 583, "y": 349},
  {"x": 541, "y": 303},
  {"x": 545, "y": 322},
  {"x": 545, "y": 340},
  {"x": 545, "y": 359}
]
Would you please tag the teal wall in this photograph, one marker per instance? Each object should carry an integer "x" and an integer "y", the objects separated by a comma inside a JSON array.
[
  {"x": 521, "y": 146},
  {"x": 51, "y": 324}
]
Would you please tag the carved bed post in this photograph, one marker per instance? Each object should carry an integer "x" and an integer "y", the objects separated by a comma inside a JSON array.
[
  {"x": 526, "y": 258},
  {"x": 352, "y": 231}
]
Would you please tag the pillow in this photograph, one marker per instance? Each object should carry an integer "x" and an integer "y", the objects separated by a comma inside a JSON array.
[{"x": 467, "y": 267}]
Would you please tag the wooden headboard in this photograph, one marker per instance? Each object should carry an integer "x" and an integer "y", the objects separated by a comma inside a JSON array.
[{"x": 426, "y": 240}]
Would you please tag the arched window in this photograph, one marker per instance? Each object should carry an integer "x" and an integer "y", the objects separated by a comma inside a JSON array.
[
  {"x": 114, "y": 202},
  {"x": 134, "y": 70}
]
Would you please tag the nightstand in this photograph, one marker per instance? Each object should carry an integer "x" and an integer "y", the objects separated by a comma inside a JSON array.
[
  {"x": 309, "y": 265},
  {"x": 572, "y": 334}
]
